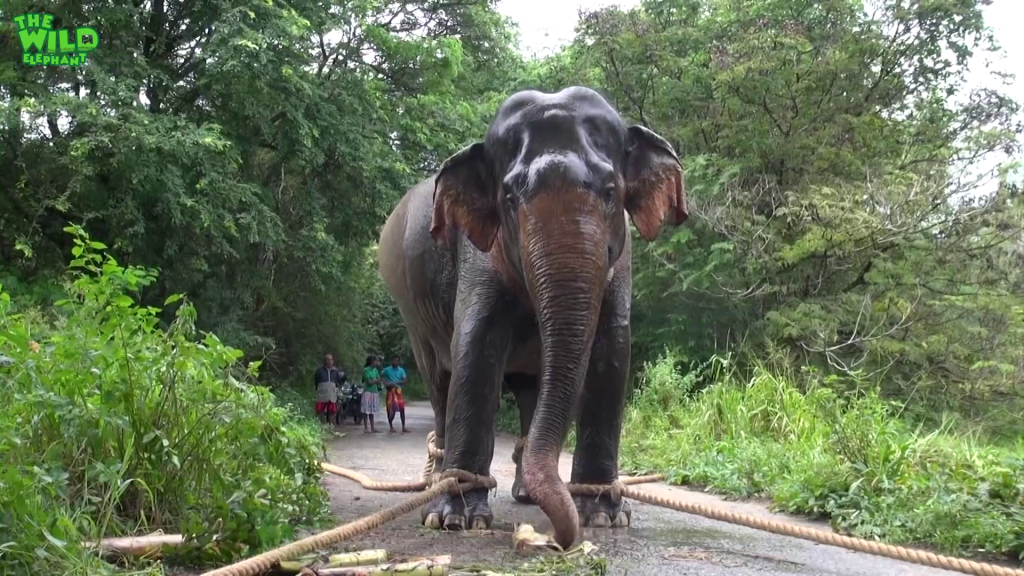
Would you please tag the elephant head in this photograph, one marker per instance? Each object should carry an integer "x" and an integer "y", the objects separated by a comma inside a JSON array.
[{"x": 549, "y": 184}]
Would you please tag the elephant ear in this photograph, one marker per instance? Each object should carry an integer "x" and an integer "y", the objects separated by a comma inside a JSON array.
[
  {"x": 464, "y": 198},
  {"x": 654, "y": 183}
]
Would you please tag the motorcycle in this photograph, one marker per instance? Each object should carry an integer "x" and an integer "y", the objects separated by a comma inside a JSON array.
[{"x": 350, "y": 403}]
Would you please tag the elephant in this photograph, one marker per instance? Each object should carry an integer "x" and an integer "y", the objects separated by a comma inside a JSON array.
[{"x": 511, "y": 266}]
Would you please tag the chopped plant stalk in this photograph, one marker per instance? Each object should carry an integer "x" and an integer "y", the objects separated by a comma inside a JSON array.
[
  {"x": 150, "y": 546},
  {"x": 584, "y": 548},
  {"x": 297, "y": 564},
  {"x": 434, "y": 566},
  {"x": 360, "y": 558},
  {"x": 527, "y": 541}
]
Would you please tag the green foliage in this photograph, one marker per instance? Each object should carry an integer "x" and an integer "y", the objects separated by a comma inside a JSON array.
[
  {"x": 415, "y": 389},
  {"x": 833, "y": 222},
  {"x": 248, "y": 150},
  {"x": 815, "y": 451},
  {"x": 113, "y": 425},
  {"x": 507, "y": 419}
]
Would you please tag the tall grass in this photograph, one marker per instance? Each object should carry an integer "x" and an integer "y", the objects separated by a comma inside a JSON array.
[
  {"x": 114, "y": 426},
  {"x": 845, "y": 457}
]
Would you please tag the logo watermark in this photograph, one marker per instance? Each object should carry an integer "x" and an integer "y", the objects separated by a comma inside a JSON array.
[{"x": 41, "y": 45}]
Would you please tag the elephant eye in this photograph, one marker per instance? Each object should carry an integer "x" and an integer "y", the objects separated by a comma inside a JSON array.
[
  {"x": 508, "y": 193},
  {"x": 609, "y": 190}
]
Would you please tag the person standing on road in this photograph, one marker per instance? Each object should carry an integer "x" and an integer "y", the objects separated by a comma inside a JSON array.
[
  {"x": 394, "y": 378},
  {"x": 327, "y": 379},
  {"x": 371, "y": 393},
  {"x": 340, "y": 402}
]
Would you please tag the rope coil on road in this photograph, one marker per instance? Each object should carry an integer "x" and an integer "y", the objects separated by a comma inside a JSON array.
[{"x": 458, "y": 481}]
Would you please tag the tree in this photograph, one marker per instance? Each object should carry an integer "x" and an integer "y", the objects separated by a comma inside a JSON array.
[
  {"x": 248, "y": 150},
  {"x": 823, "y": 155}
]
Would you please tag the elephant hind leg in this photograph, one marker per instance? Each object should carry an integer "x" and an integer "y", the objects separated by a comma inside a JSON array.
[
  {"x": 436, "y": 380},
  {"x": 525, "y": 389}
]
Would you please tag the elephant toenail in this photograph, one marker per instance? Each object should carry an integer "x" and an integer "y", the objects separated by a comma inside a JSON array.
[
  {"x": 479, "y": 523},
  {"x": 600, "y": 520},
  {"x": 433, "y": 520},
  {"x": 621, "y": 521},
  {"x": 454, "y": 522}
]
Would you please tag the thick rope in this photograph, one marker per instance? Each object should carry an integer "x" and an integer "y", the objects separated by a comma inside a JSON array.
[
  {"x": 822, "y": 537},
  {"x": 371, "y": 484},
  {"x": 434, "y": 454},
  {"x": 450, "y": 481},
  {"x": 458, "y": 481},
  {"x": 619, "y": 489},
  {"x": 267, "y": 560}
]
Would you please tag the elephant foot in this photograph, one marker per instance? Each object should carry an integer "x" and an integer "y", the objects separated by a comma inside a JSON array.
[
  {"x": 602, "y": 512},
  {"x": 469, "y": 511},
  {"x": 519, "y": 491}
]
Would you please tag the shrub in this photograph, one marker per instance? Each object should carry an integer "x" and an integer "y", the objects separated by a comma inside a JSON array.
[
  {"x": 114, "y": 426},
  {"x": 844, "y": 457}
]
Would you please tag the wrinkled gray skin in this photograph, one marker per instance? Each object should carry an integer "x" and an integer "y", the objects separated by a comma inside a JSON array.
[{"x": 514, "y": 261}]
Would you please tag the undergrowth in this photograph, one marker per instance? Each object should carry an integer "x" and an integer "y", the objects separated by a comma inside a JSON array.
[
  {"x": 845, "y": 457},
  {"x": 415, "y": 389},
  {"x": 507, "y": 419},
  {"x": 114, "y": 426}
]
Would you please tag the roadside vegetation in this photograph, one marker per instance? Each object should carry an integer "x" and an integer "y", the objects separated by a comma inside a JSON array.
[
  {"x": 838, "y": 327},
  {"x": 115, "y": 426},
  {"x": 845, "y": 456}
]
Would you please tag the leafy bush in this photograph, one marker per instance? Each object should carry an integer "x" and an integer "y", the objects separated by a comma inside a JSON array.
[
  {"x": 507, "y": 418},
  {"x": 112, "y": 426},
  {"x": 845, "y": 457},
  {"x": 415, "y": 389}
]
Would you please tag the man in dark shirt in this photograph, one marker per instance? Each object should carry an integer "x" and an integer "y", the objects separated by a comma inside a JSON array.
[{"x": 327, "y": 379}]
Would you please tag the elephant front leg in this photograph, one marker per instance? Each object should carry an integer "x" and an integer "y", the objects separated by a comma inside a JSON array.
[
  {"x": 599, "y": 422},
  {"x": 479, "y": 348}
]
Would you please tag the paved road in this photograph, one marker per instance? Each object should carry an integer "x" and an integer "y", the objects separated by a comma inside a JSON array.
[{"x": 659, "y": 542}]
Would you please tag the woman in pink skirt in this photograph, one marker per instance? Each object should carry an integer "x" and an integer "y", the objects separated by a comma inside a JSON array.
[{"x": 371, "y": 393}]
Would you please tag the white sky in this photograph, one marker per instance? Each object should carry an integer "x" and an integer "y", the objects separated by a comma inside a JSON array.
[{"x": 546, "y": 25}]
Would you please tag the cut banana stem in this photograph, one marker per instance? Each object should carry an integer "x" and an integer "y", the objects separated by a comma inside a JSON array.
[
  {"x": 584, "y": 549},
  {"x": 435, "y": 566},
  {"x": 361, "y": 558},
  {"x": 137, "y": 546},
  {"x": 528, "y": 541}
]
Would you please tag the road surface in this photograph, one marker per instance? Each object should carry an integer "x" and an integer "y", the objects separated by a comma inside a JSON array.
[{"x": 659, "y": 542}]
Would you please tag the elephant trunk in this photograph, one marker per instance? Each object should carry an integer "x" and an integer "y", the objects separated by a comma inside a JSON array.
[{"x": 565, "y": 260}]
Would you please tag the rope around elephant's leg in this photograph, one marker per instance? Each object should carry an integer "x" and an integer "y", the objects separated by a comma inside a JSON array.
[
  {"x": 620, "y": 489},
  {"x": 434, "y": 454}
]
